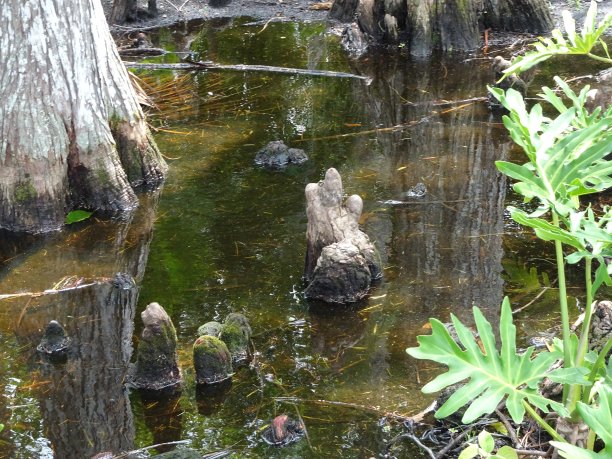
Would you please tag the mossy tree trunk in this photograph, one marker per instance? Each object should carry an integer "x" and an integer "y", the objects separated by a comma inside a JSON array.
[
  {"x": 73, "y": 133},
  {"x": 427, "y": 25}
]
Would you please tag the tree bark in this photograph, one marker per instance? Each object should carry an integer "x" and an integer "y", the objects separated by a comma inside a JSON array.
[
  {"x": 73, "y": 133},
  {"x": 127, "y": 10},
  {"x": 446, "y": 25}
]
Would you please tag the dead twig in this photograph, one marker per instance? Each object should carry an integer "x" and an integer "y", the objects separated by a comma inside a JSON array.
[
  {"x": 511, "y": 432},
  {"x": 531, "y": 452},
  {"x": 417, "y": 418},
  {"x": 52, "y": 291},
  {"x": 397, "y": 127},
  {"x": 454, "y": 442},
  {"x": 537, "y": 297},
  {"x": 415, "y": 440},
  {"x": 146, "y": 448}
]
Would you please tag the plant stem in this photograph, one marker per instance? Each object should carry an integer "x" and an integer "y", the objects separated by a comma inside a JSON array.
[
  {"x": 567, "y": 358},
  {"x": 599, "y": 363},
  {"x": 600, "y": 58},
  {"x": 575, "y": 389},
  {"x": 545, "y": 425}
]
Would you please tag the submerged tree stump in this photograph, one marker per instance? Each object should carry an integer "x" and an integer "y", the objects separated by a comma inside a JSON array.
[
  {"x": 157, "y": 361},
  {"x": 54, "y": 341},
  {"x": 331, "y": 221}
]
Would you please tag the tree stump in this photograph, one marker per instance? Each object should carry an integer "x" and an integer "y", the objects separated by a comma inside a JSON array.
[
  {"x": 54, "y": 342},
  {"x": 427, "y": 25},
  {"x": 276, "y": 155},
  {"x": 331, "y": 221},
  {"x": 157, "y": 361}
]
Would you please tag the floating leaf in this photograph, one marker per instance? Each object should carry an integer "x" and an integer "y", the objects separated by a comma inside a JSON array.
[{"x": 77, "y": 216}]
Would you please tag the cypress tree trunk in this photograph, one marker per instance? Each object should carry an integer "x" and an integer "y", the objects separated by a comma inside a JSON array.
[
  {"x": 447, "y": 25},
  {"x": 73, "y": 134}
]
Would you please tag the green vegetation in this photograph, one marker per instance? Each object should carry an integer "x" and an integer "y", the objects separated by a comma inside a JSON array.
[
  {"x": 25, "y": 191},
  {"x": 485, "y": 447},
  {"x": 76, "y": 216},
  {"x": 567, "y": 159}
]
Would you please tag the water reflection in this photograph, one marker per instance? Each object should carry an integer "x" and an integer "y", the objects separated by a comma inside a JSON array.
[
  {"x": 210, "y": 398},
  {"x": 448, "y": 243},
  {"x": 333, "y": 331},
  {"x": 229, "y": 237},
  {"x": 162, "y": 415},
  {"x": 83, "y": 403}
]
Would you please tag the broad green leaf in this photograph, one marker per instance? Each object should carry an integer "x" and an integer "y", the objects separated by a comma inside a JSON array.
[
  {"x": 77, "y": 216},
  {"x": 507, "y": 452},
  {"x": 575, "y": 452},
  {"x": 470, "y": 452},
  {"x": 491, "y": 375},
  {"x": 518, "y": 172},
  {"x": 574, "y": 375},
  {"x": 486, "y": 441},
  {"x": 570, "y": 26},
  {"x": 553, "y": 99},
  {"x": 545, "y": 230},
  {"x": 602, "y": 276},
  {"x": 600, "y": 418}
]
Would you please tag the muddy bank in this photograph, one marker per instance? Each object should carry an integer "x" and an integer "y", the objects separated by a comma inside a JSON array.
[{"x": 179, "y": 11}]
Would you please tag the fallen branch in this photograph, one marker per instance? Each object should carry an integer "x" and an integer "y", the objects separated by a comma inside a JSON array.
[
  {"x": 207, "y": 65},
  {"x": 446, "y": 103},
  {"x": 397, "y": 127},
  {"x": 52, "y": 291},
  {"x": 536, "y": 298},
  {"x": 417, "y": 418},
  {"x": 131, "y": 52}
]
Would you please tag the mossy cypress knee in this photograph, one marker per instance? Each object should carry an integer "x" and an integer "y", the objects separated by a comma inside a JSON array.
[
  {"x": 157, "y": 360},
  {"x": 210, "y": 328},
  {"x": 212, "y": 360},
  {"x": 236, "y": 334}
]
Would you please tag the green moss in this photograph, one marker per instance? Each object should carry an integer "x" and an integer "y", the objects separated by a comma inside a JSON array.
[
  {"x": 157, "y": 351},
  {"x": 212, "y": 360},
  {"x": 101, "y": 174},
  {"x": 210, "y": 329},
  {"x": 234, "y": 336},
  {"x": 240, "y": 320},
  {"x": 25, "y": 191},
  {"x": 114, "y": 121}
]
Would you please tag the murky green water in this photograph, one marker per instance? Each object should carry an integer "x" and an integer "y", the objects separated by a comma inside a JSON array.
[{"x": 224, "y": 235}]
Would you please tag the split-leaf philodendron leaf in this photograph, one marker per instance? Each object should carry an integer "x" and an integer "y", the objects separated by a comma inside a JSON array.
[{"x": 490, "y": 374}]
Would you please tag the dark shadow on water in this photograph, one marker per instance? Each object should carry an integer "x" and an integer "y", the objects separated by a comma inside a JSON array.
[
  {"x": 210, "y": 398},
  {"x": 163, "y": 416}
]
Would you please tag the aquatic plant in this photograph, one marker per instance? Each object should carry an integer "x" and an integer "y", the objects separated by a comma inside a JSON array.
[{"x": 567, "y": 159}]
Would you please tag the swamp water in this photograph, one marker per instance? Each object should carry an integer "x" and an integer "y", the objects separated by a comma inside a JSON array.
[{"x": 223, "y": 235}]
